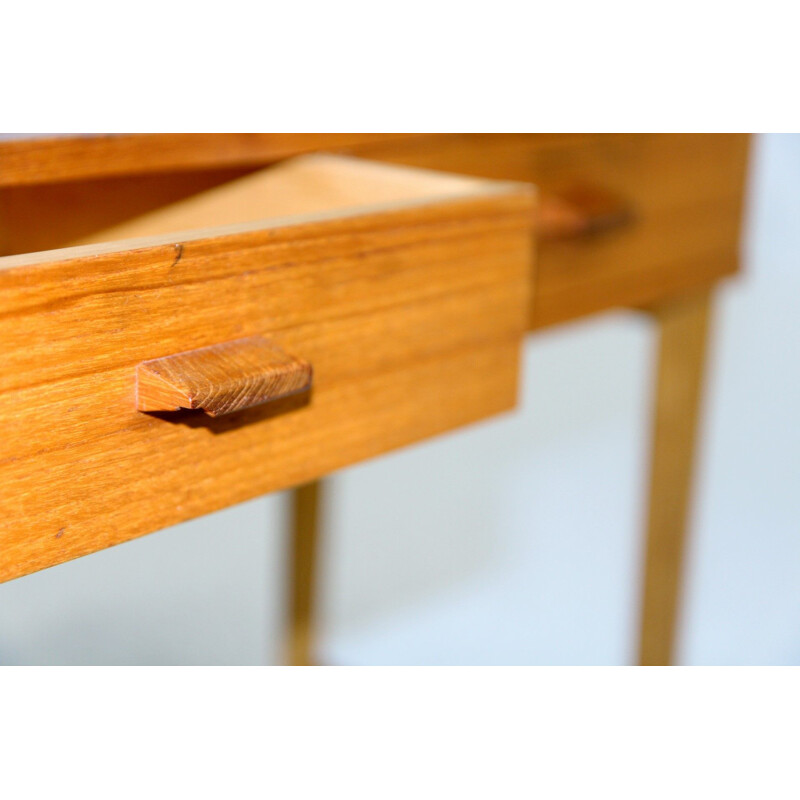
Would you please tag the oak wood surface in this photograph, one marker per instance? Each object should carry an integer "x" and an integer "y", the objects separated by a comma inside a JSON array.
[
  {"x": 683, "y": 331},
  {"x": 222, "y": 378},
  {"x": 411, "y": 313}
]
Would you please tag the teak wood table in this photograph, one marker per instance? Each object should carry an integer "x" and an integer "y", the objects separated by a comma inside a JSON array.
[{"x": 191, "y": 320}]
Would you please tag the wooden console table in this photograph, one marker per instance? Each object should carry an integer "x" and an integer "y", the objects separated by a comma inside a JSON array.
[{"x": 282, "y": 320}]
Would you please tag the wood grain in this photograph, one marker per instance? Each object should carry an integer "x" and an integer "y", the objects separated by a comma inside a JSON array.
[
  {"x": 52, "y": 159},
  {"x": 683, "y": 332},
  {"x": 54, "y": 192},
  {"x": 222, "y": 378},
  {"x": 305, "y": 185},
  {"x": 411, "y": 313},
  {"x": 582, "y": 210},
  {"x": 685, "y": 190},
  {"x": 307, "y": 516}
]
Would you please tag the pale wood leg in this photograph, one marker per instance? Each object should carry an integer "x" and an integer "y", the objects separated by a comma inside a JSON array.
[
  {"x": 683, "y": 327},
  {"x": 306, "y": 519}
]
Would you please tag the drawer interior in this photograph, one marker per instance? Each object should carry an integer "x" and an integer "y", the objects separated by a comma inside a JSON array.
[{"x": 307, "y": 186}]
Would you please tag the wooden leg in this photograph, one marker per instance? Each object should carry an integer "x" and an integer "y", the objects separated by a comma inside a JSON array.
[
  {"x": 683, "y": 326},
  {"x": 306, "y": 519}
]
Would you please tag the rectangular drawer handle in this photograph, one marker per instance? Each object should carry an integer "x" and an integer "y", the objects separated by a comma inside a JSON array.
[
  {"x": 222, "y": 378},
  {"x": 581, "y": 210}
]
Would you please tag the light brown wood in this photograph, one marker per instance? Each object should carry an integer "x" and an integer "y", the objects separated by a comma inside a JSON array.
[
  {"x": 306, "y": 522},
  {"x": 683, "y": 193},
  {"x": 51, "y": 159},
  {"x": 47, "y": 216},
  {"x": 685, "y": 190},
  {"x": 221, "y": 379},
  {"x": 581, "y": 210},
  {"x": 411, "y": 313},
  {"x": 303, "y": 185},
  {"x": 683, "y": 331},
  {"x": 54, "y": 191}
]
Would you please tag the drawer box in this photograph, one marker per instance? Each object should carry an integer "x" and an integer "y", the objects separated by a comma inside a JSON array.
[{"x": 407, "y": 292}]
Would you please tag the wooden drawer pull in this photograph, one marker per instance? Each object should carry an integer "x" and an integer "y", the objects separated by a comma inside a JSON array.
[
  {"x": 582, "y": 210},
  {"x": 222, "y": 378}
]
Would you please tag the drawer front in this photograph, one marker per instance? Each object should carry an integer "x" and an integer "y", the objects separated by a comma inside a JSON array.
[
  {"x": 684, "y": 192},
  {"x": 411, "y": 318}
]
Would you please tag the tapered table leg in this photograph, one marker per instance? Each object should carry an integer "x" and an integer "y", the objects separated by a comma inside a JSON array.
[
  {"x": 683, "y": 328},
  {"x": 306, "y": 519}
]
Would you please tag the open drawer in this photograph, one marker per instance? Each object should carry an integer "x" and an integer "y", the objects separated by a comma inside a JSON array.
[{"x": 404, "y": 291}]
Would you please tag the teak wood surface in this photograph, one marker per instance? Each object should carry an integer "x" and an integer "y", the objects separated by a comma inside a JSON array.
[
  {"x": 411, "y": 313},
  {"x": 53, "y": 159},
  {"x": 222, "y": 378},
  {"x": 682, "y": 332},
  {"x": 684, "y": 192},
  {"x": 49, "y": 159},
  {"x": 307, "y": 510}
]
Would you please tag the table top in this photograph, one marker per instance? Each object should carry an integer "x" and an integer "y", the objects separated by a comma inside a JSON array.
[{"x": 31, "y": 159}]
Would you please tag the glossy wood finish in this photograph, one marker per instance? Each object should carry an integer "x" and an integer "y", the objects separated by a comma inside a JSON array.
[
  {"x": 394, "y": 304},
  {"x": 681, "y": 192},
  {"x": 221, "y": 379},
  {"x": 683, "y": 332},
  {"x": 684, "y": 192},
  {"x": 304, "y": 185},
  {"x": 307, "y": 512},
  {"x": 582, "y": 210}
]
